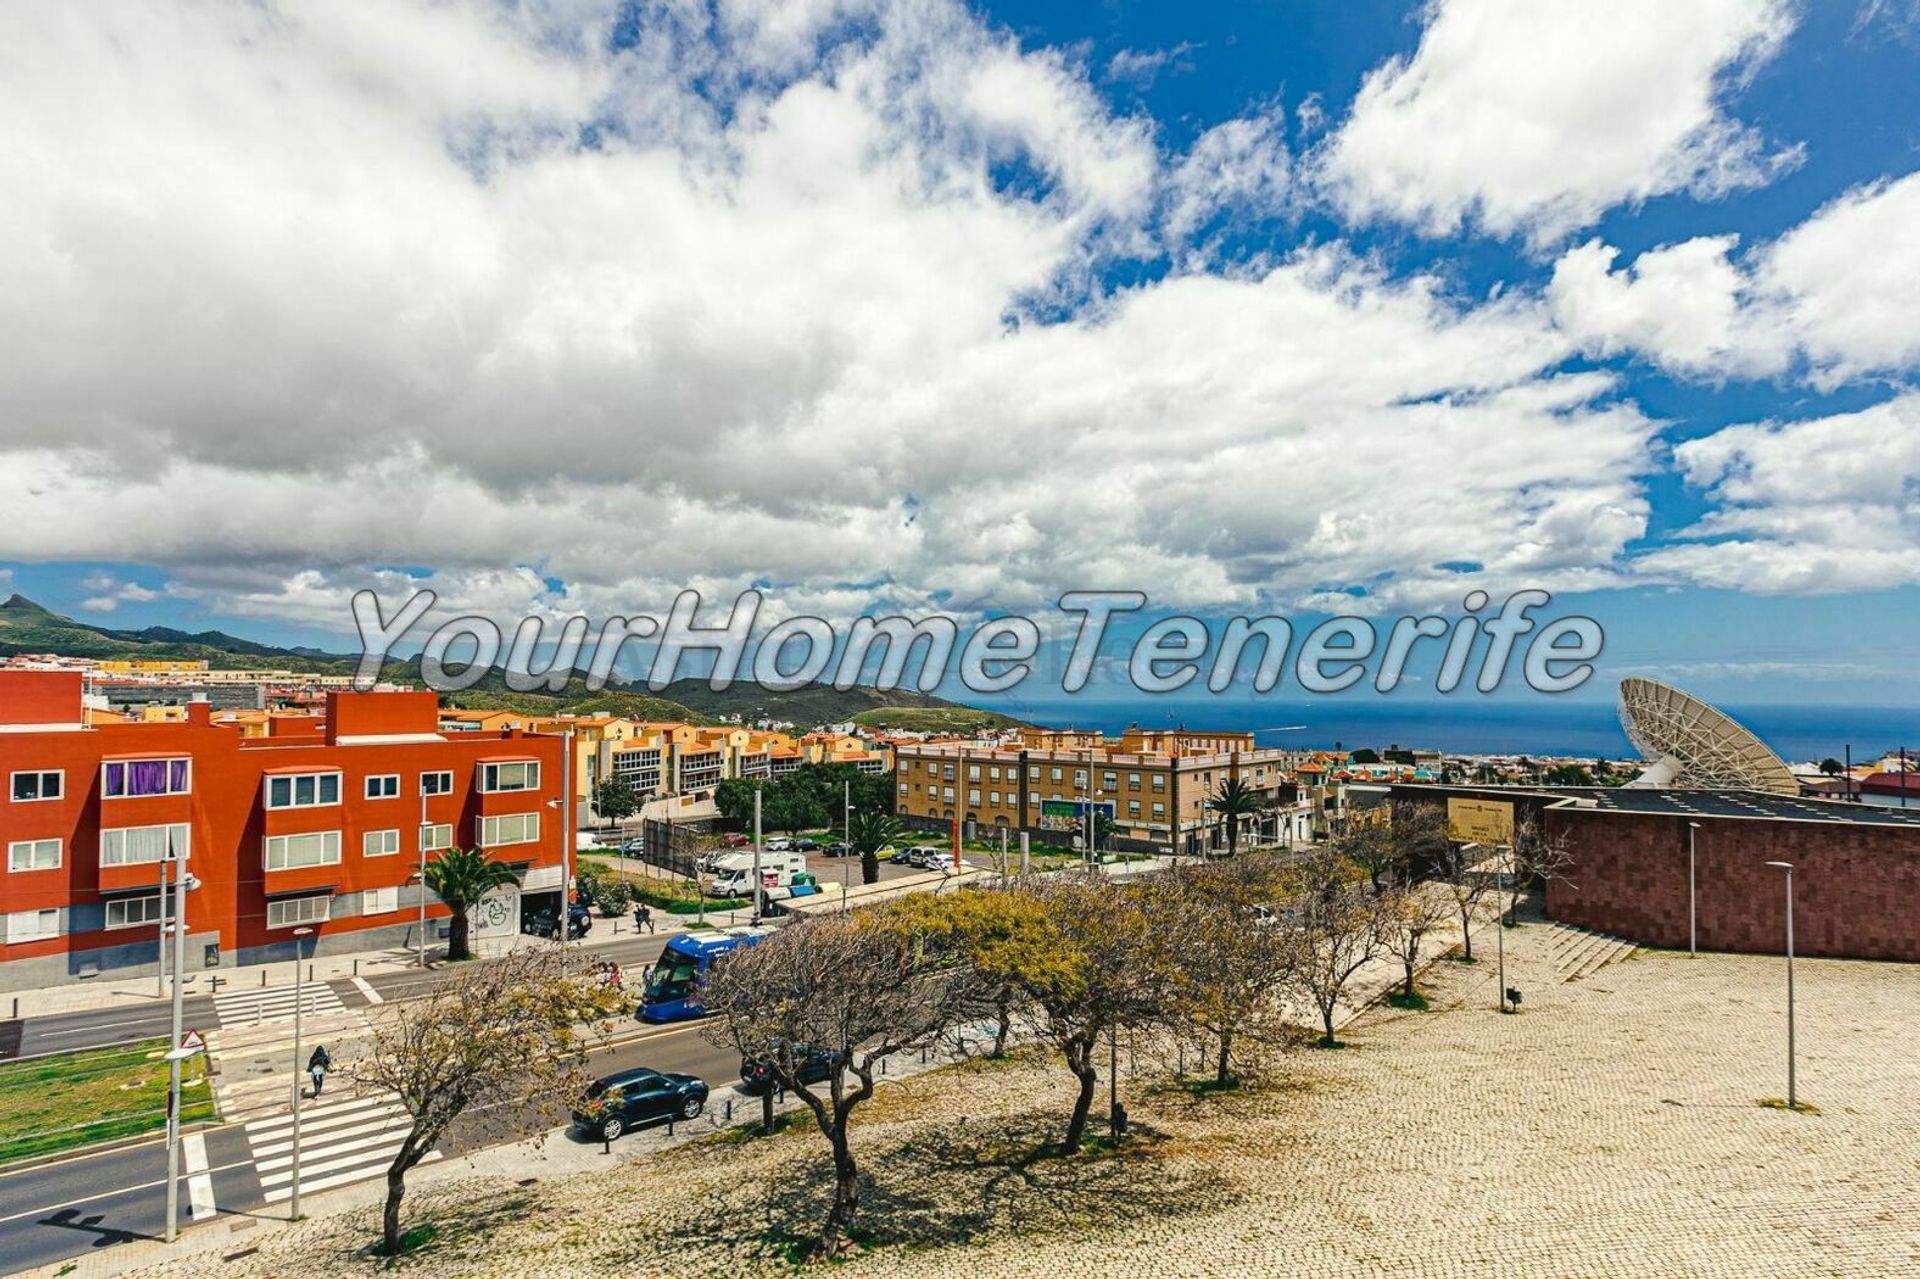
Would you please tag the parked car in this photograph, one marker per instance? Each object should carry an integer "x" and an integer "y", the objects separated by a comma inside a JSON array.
[
  {"x": 540, "y": 922},
  {"x": 756, "y": 1077},
  {"x": 838, "y": 848},
  {"x": 634, "y": 1097},
  {"x": 633, "y": 847},
  {"x": 803, "y": 846},
  {"x": 734, "y": 839},
  {"x": 779, "y": 844},
  {"x": 926, "y": 857},
  {"x": 903, "y": 856}
]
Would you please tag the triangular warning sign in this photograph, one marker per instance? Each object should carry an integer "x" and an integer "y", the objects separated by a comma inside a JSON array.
[{"x": 193, "y": 1041}]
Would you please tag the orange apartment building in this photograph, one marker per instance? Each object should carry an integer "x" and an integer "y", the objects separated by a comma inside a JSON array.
[
  {"x": 1153, "y": 786},
  {"x": 320, "y": 822}
]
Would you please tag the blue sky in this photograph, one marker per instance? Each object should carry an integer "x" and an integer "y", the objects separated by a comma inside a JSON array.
[{"x": 900, "y": 305}]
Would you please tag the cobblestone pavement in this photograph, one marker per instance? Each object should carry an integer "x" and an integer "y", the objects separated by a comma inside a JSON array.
[{"x": 1611, "y": 1129}]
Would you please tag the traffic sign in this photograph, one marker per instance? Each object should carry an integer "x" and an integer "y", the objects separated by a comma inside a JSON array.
[{"x": 193, "y": 1042}]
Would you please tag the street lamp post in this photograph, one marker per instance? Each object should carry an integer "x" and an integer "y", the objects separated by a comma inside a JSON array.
[
  {"x": 424, "y": 829},
  {"x": 1793, "y": 1099},
  {"x": 754, "y": 917},
  {"x": 1693, "y": 914},
  {"x": 299, "y": 998},
  {"x": 174, "y": 1057},
  {"x": 846, "y": 854}
]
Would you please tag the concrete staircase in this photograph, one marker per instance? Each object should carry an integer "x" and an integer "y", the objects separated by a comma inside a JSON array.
[{"x": 1580, "y": 952}]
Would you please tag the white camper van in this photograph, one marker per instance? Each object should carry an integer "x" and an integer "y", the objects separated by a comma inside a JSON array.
[{"x": 733, "y": 874}]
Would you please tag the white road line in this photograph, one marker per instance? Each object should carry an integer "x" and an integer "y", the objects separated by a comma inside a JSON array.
[
  {"x": 365, "y": 987},
  {"x": 280, "y": 1194},
  {"x": 199, "y": 1181}
]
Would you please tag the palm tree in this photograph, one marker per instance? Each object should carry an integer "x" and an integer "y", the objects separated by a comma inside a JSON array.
[
  {"x": 460, "y": 877},
  {"x": 1233, "y": 801},
  {"x": 869, "y": 833}
]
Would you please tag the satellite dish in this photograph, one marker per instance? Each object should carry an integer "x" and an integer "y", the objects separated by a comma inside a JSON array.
[{"x": 1688, "y": 743}]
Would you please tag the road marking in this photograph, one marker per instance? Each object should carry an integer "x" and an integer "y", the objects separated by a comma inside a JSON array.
[
  {"x": 104, "y": 1194},
  {"x": 341, "y": 1142},
  {"x": 242, "y": 1007},
  {"x": 199, "y": 1181},
  {"x": 366, "y": 988}
]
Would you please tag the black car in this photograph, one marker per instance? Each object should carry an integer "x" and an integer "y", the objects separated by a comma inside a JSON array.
[
  {"x": 756, "y": 1077},
  {"x": 635, "y": 1097},
  {"x": 803, "y": 846},
  {"x": 540, "y": 922},
  {"x": 839, "y": 848},
  {"x": 904, "y": 856}
]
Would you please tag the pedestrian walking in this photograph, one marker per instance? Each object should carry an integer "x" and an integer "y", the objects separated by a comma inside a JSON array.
[
  {"x": 642, "y": 918},
  {"x": 317, "y": 1066}
]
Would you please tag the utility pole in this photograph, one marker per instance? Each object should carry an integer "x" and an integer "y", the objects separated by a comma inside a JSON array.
[
  {"x": 846, "y": 854},
  {"x": 564, "y": 924},
  {"x": 1693, "y": 915},
  {"x": 424, "y": 828},
  {"x": 754, "y": 918},
  {"x": 299, "y": 999},
  {"x": 173, "y": 1057},
  {"x": 1023, "y": 855},
  {"x": 1793, "y": 1099}
]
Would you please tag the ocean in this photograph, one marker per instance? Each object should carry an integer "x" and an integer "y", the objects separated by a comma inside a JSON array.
[{"x": 1558, "y": 727}]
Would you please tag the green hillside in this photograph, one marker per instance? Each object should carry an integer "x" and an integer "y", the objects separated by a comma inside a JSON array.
[{"x": 26, "y": 627}]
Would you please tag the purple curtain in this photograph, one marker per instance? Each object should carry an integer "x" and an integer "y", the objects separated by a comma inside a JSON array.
[
  {"x": 147, "y": 777},
  {"x": 116, "y": 780},
  {"x": 176, "y": 775}
]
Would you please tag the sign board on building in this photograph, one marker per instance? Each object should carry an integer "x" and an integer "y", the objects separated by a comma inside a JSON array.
[
  {"x": 1073, "y": 809},
  {"x": 1480, "y": 821}
]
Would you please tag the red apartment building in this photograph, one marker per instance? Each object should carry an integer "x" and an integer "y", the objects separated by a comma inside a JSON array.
[{"x": 321, "y": 825}]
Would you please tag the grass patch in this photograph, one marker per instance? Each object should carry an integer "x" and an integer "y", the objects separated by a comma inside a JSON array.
[
  {"x": 1463, "y": 959},
  {"x": 102, "y": 1094},
  {"x": 1798, "y": 1107},
  {"x": 1416, "y": 1002},
  {"x": 749, "y": 1131}
]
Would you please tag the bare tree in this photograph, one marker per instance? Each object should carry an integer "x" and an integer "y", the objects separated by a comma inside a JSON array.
[
  {"x": 1111, "y": 977},
  {"x": 1458, "y": 869},
  {"x": 843, "y": 990},
  {"x": 1538, "y": 858},
  {"x": 1227, "y": 955},
  {"x": 1336, "y": 930},
  {"x": 500, "y": 1039},
  {"x": 1408, "y": 912}
]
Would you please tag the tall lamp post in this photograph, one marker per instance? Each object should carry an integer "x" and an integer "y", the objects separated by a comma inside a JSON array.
[
  {"x": 299, "y": 999},
  {"x": 174, "y": 1054},
  {"x": 1793, "y": 1099},
  {"x": 424, "y": 831},
  {"x": 846, "y": 854},
  {"x": 1693, "y": 914}
]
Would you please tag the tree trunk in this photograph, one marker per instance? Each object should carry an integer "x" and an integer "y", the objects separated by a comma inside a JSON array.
[
  {"x": 1466, "y": 932},
  {"x": 390, "y": 1214},
  {"x": 457, "y": 947},
  {"x": 1408, "y": 959},
  {"x": 766, "y": 1112},
  {"x": 1005, "y": 1028},
  {"x": 1220, "y": 1074},
  {"x": 1326, "y": 1020},
  {"x": 870, "y": 868},
  {"x": 1080, "y": 1062},
  {"x": 846, "y": 1197}
]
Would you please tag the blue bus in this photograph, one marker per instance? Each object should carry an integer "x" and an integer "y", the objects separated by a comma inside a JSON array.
[{"x": 671, "y": 991}]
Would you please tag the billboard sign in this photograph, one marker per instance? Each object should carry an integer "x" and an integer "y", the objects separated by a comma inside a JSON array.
[{"x": 1480, "y": 821}]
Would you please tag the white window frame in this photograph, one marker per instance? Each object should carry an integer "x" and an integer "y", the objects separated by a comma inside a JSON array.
[
  {"x": 60, "y": 786},
  {"x": 124, "y": 764},
  {"x": 379, "y": 901},
  {"x": 490, "y": 776},
  {"x": 14, "y": 849},
  {"x": 329, "y": 854},
  {"x": 159, "y": 915},
  {"x": 436, "y": 837},
  {"x": 385, "y": 780},
  {"x": 388, "y": 843},
  {"x": 442, "y": 785},
  {"x": 181, "y": 846},
  {"x": 278, "y": 907},
  {"x": 490, "y": 828},
  {"x": 293, "y": 781},
  {"x": 19, "y": 930}
]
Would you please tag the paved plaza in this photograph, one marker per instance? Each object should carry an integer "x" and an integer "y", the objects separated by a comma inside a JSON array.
[{"x": 1611, "y": 1129}]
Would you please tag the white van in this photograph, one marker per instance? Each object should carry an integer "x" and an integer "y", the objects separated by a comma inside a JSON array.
[{"x": 733, "y": 874}]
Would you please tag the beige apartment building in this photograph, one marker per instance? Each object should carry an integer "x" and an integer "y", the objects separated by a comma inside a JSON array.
[{"x": 1156, "y": 797}]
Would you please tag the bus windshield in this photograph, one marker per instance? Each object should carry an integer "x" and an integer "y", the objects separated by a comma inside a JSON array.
[{"x": 672, "y": 977}]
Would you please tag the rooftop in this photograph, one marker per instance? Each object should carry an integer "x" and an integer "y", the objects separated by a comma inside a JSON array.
[{"x": 1702, "y": 803}]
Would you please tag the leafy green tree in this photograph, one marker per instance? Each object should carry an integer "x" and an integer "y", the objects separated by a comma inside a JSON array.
[
  {"x": 1832, "y": 767},
  {"x": 1233, "y": 801},
  {"x": 734, "y": 798},
  {"x": 1006, "y": 938},
  {"x": 460, "y": 877},
  {"x": 1365, "y": 756},
  {"x": 872, "y": 831},
  {"x": 1226, "y": 954},
  {"x": 615, "y": 799},
  {"x": 1568, "y": 775}
]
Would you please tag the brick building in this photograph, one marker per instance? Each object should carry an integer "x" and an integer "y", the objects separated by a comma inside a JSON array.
[
  {"x": 1156, "y": 798},
  {"x": 1856, "y": 877},
  {"x": 319, "y": 823}
]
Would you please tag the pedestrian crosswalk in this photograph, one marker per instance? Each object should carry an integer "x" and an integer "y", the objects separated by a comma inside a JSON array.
[
  {"x": 246, "y": 1007},
  {"x": 341, "y": 1141}
]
